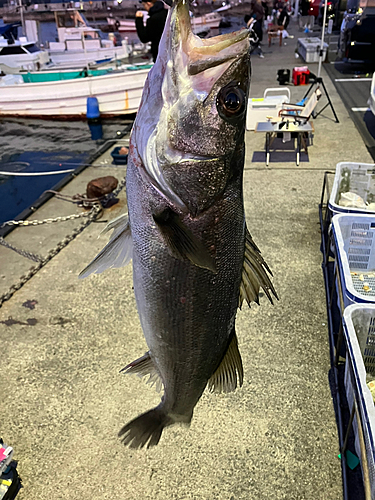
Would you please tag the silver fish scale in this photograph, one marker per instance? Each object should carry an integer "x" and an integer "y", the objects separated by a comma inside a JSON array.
[{"x": 186, "y": 312}]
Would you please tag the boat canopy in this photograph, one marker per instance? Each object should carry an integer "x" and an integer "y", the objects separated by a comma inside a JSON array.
[{"x": 9, "y": 31}]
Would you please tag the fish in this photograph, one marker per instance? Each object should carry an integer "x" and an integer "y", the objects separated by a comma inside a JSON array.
[{"x": 194, "y": 261}]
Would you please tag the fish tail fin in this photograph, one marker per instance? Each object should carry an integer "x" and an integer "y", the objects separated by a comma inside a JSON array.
[{"x": 145, "y": 429}]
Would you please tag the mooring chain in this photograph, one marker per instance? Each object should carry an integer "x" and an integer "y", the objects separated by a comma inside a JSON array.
[
  {"x": 92, "y": 215},
  {"x": 45, "y": 221},
  {"x": 24, "y": 253},
  {"x": 41, "y": 262}
]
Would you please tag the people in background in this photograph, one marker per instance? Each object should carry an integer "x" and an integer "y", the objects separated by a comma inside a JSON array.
[
  {"x": 257, "y": 8},
  {"x": 255, "y": 25},
  {"x": 303, "y": 20},
  {"x": 283, "y": 19},
  {"x": 152, "y": 31}
]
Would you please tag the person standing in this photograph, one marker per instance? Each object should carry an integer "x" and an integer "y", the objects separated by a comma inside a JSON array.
[
  {"x": 304, "y": 14},
  {"x": 154, "y": 25}
]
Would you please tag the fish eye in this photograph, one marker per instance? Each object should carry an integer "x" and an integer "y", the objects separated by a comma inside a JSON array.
[{"x": 231, "y": 102}]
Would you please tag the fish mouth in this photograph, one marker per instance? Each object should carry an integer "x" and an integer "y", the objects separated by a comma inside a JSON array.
[{"x": 205, "y": 54}]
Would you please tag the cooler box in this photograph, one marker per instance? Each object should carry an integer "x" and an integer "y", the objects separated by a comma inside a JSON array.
[
  {"x": 269, "y": 105},
  {"x": 358, "y": 178},
  {"x": 354, "y": 246},
  {"x": 308, "y": 49},
  {"x": 359, "y": 332},
  {"x": 300, "y": 75}
]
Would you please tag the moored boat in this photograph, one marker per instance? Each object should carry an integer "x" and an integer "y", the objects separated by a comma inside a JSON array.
[
  {"x": 20, "y": 54},
  {"x": 80, "y": 43},
  {"x": 199, "y": 23},
  {"x": 58, "y": 94}
]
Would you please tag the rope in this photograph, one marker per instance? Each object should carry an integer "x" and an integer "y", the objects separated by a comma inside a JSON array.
[{"x": 37, "y": 174}]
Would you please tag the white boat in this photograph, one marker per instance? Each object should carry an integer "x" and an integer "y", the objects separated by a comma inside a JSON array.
[
  {"x": 64, "y": 94},
  {"x": 127, "y": 25},
  {"x": 209, "y": 21},
  {"x": 199, "y": 24},
  {"x": 371, "y": 101},
  {"x": 79, "y": 43},
  {"x": 21, "y": 54}
]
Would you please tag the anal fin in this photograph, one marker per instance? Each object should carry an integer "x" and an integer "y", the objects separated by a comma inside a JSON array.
[
  {"x": 230, "y": 370},
  {"x": 143, "y": 367}
]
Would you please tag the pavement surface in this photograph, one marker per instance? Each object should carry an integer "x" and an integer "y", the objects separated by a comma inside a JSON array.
[{"x": 64, "y": 340}]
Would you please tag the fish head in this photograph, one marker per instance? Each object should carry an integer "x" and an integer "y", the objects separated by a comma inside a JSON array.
[{"x": 191, "y": 121}]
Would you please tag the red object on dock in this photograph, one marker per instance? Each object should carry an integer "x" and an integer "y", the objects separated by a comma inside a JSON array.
[{"x": 300, "y": 75}]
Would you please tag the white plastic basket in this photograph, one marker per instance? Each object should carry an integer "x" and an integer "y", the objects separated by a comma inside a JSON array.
[
  {"x": 354, "y": 238},
  {"x": 358, "y": 178},
  {"x": 359, "y": 332}
]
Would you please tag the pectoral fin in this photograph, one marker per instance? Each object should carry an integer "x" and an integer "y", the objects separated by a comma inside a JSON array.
[
  {"x": 229, "y": 371},
  {"x": 117, "y": 253},
  {"x": 254, "y": 274},
  {"x": 182, "y": 243},
  {"x": 142, "y": 367}
]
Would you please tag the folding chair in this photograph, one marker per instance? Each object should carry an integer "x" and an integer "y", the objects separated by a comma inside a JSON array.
[{"x": 298, "y": 113}]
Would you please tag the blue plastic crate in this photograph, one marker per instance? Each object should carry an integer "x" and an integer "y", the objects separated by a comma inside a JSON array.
[{"x": 354, "y": 238}]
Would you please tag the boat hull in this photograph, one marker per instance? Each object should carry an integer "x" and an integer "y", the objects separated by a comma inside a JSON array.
[{"x": 117, "y": 94}]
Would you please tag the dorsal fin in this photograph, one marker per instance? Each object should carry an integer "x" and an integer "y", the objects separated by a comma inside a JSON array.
[
  {"x": 254, "y": 274},
  {"x": 142, "y": 367},
  {"x": 117, "y": 253},
  {"x": 229, "y": 371}
]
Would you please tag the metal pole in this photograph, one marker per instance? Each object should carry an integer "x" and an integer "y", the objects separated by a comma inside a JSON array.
[
  {"x": 322, "y": 41},
  {"x": 22, "y": 19}
]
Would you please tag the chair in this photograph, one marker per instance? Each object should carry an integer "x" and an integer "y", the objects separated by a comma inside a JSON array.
[
  {"x": 298, "y": 113},
  {"x": 275, "y": 31}
]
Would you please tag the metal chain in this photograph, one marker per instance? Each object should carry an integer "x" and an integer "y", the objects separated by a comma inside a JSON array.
[
  {"x": 45, "y": 221},
  {"x": 24, "y": 253},
  {"x": 92, "y": 215},
  {"x": 120, "y": 187}
]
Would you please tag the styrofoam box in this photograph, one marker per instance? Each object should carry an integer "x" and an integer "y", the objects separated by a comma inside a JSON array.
[
  {"x": 354, "y": 241},
  {"x": 357, "y": 178},
  {"x": 359, "y": 331},
  {"x": 308, "y": 49}
]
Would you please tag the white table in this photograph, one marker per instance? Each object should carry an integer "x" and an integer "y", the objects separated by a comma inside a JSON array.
[{"x": 272, "y": 129}]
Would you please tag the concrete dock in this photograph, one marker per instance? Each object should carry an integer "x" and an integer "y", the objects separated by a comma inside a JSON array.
[{"x": 64, "y": 340}]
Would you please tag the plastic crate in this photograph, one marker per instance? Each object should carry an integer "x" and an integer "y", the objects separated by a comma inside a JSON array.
[
  {"x": 359, "y": 332},
  {"x": 358, "y": 178},
  {"x": 354, "y": 246}
]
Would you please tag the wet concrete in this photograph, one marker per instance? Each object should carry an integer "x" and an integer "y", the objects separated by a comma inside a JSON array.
[{"x": 63, "y": 399}]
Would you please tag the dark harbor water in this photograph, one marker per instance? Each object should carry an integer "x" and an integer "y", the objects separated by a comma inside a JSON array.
[
  {"x": 46, "y": 145},
  {"x": 30, "y": 146}
]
